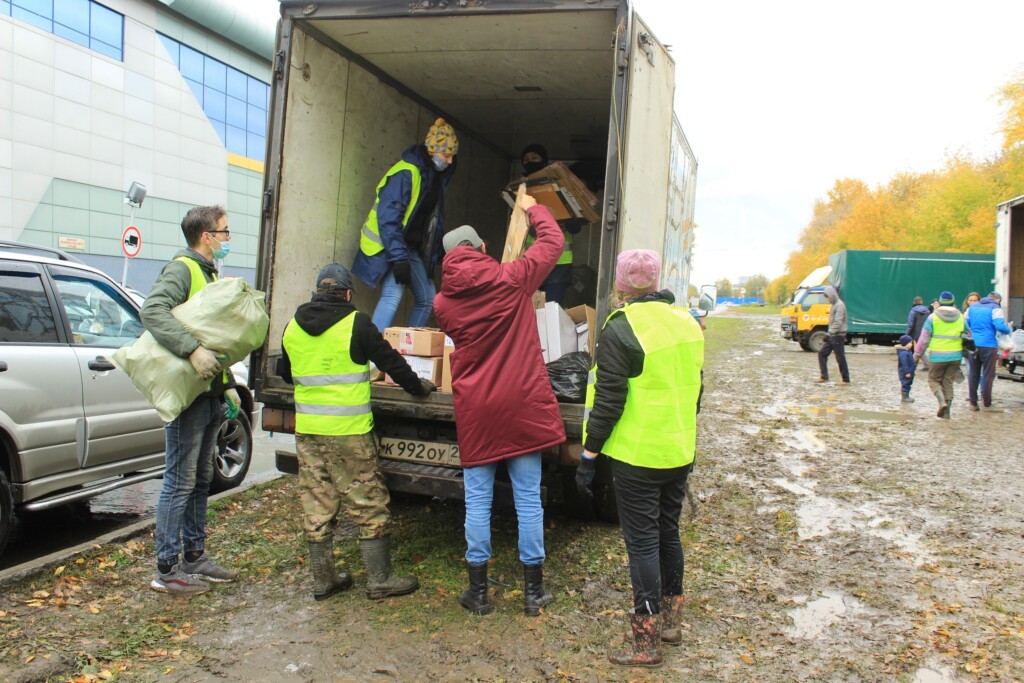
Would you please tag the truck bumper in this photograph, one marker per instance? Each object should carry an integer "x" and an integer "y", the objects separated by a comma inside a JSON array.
[
  {"x": 786, "y": 331},
  {"x": 424, "y": 480}
]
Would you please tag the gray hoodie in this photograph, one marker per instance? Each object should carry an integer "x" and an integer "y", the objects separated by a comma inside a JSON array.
[{"x": 837, "y": 314}]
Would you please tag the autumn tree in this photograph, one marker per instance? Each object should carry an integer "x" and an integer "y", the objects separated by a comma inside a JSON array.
[
  {"x": 724, "y": 287},
  {"x": 756, "y": 285}
]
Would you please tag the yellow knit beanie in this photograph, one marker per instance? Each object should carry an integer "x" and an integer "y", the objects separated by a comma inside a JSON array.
[{"x": 441, "y": 139}]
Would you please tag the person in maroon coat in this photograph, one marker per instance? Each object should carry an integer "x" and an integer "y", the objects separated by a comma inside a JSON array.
[{"x": 504, "y": 405}]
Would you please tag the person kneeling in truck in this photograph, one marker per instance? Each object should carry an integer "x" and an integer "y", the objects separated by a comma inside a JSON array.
[
  {"x": 643, "y": 397},
  {"x": 325, "y": 353},
  {"x": 504, "y": 404}
]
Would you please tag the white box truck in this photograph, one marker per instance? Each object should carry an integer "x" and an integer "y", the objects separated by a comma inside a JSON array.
[
  {"x": 355, "y": 82},
  {"x": 1009, "y": 275}
]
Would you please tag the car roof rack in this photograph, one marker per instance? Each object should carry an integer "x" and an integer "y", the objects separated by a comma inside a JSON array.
[{"x": 37, "y": 250}]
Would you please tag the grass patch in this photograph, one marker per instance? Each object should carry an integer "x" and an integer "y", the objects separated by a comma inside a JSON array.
[{"x": 754, "y": 309}]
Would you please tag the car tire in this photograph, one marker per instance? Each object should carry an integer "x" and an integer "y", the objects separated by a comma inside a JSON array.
[
  {"x": 816, "y": 340},
  {"x": 6, "y": 511},
  {"x": 234, "y": 453}
]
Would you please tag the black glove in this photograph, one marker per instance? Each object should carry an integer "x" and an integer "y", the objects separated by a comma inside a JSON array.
[
  {"x": 584, "y": 478},
  {"x": 426, "y": 386},
  {"x": 403, "y": 275}
]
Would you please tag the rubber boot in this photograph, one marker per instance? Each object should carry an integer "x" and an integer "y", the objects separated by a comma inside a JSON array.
[
  {"x": 475, "y": 598},
  {"x": 949, "y": 410},
  {"x": 534, "y": 597},
  {"x": 672, "y": 619},
  {"x": 380, "y": 582},
  {"x": 326, "y": 579},
  {"x": 943, "y": 406},
  {"x": 646, "y": 649}
]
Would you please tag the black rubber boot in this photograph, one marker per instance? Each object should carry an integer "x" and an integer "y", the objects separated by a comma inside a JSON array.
[
  {"x": 326, "y": 579},
  {"x": 475, "y": 598},
  {"x": 380, "y": 582},
  {"x": 534, "y": 597},
  {"x": 646, "y": 641}
]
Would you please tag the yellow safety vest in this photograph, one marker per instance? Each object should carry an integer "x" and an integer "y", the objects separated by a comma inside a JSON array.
[
  {"x": 566, "y": 257},
  {"x": 196, "y": 285},
  {"x": 332, "y": 392},
  {"x": 658, "y": 426},
  {"x": 370, "y": 242},
  {"x": 946, "y": 336}
]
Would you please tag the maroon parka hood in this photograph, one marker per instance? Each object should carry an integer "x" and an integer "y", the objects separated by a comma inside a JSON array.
[{"x": 504, "y": 405}]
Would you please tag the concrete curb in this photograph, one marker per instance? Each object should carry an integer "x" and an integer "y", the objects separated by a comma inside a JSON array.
[{"x": 27, "y": 570}]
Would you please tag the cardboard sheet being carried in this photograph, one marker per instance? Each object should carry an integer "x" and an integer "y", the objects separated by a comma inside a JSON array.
[{"x": 559, "y": 189}]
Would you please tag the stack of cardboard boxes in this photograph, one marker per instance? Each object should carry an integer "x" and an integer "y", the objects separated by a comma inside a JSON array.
[
  {"x": 564, "y": 331},
  {"x": 428, "y": 352}
]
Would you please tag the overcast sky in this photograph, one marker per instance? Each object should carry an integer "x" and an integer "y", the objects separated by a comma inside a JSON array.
[{"x": 780, "y": 99}]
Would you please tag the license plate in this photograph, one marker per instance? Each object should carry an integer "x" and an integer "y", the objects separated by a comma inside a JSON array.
[{"x": 426, "y": 452}]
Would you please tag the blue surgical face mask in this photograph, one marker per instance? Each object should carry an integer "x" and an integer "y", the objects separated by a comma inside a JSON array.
[
  {"x": 440, "y": 163},
  {"x": 222, "y": 249}
]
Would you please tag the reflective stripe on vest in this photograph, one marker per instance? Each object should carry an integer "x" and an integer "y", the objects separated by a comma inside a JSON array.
[
  {"x": 370, "y": 242},
  {"x": 197, "y": 283},
  {"x": 658, "y": 426},
  {"x": 566, "y": 257},
  {"x": 332, "y": 392},
  {"x": 946, "y": 336}
]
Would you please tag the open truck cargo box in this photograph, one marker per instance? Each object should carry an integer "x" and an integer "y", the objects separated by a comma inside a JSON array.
[
  {"x": 878, "y": 287},
  {"x": 357, "y": 82}
]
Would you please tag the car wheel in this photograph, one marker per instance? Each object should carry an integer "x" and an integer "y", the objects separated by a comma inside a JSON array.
[
  {"x": 816, "y": 340},
  {"x": 6, "y": 511},
  {"x": 234, "y": 453}
]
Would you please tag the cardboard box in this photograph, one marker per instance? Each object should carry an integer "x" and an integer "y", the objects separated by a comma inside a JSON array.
[
  {"x": 581, "y": 315},
  {"x": 416, "y": 341},
  {"x": 542, "y": 333},
  {"x": 428, "y": 368},
  {"x": 557, "y": 188},
  {"x": 446, "y": 369},
  {"x": 561, "y": 332}
]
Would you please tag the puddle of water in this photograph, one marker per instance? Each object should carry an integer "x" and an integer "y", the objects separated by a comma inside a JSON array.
[
  {"x": 794, "y": 464},
  {"x": 934, "y": 673},
  {"x": 811, "y": 620},
  {"x": 793, "y": 487},
  {"x": 831, "y": 413},
  {"x": 820, "y": 517}
]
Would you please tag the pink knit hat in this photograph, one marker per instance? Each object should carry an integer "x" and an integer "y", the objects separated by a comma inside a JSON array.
[{"x": 637, "y": 271}]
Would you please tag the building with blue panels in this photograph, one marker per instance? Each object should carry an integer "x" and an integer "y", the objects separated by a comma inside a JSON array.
[{"x": 95, "y": 95}]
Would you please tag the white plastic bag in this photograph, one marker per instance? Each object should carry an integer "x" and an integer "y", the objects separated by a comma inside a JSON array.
[
  {"x": 1018, "y": 341},
  {"x": 1004, "y": 341},
  {"x": 227, "y": 316}
]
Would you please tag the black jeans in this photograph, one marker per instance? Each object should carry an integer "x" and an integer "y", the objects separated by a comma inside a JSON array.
[
  {"x": 834, "y": 342},
  {"x": 649, "y": 502}
]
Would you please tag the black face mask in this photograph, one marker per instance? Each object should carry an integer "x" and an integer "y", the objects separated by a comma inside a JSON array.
[{"x": 531, "y": 167}]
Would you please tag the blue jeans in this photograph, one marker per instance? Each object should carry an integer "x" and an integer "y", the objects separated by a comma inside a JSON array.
[
  {"x": 524, "y": 470},
  {"x": 188, "y": 471},
  {"x": 391, "y": 294}
]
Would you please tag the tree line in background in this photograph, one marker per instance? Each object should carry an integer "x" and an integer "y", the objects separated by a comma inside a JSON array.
[{"x": 949, "y": 209}]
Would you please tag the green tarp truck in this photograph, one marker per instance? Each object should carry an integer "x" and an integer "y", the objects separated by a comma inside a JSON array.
[{"x": 878, "y": 288}]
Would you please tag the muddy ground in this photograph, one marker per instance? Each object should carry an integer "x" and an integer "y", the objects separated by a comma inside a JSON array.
[{"x": 838, "y": 536}]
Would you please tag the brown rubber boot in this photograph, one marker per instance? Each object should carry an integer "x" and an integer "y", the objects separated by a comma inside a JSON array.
[
  {"x": 326, "y": 579},
  {"x": 672, "y": 619},
  {"x": 380, "y": 582},
  {"x": 646, "y": 643}
]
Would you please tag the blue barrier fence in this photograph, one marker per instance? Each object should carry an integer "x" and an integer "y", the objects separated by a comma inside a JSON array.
[{"x": 740, "y": 300}]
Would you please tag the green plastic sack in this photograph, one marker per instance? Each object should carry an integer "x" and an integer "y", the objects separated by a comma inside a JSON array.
[{"x": 228, "y": 317}]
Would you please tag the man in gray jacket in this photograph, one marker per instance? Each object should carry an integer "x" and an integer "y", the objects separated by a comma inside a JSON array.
[
  {"x": 192, "y": 436},
  {"x": 836, "y": 338}
]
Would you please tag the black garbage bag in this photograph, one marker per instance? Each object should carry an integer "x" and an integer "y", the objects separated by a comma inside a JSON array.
[{"x": 568, "y": 376}]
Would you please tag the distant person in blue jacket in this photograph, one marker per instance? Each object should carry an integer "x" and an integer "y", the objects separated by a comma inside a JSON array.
[
  {"x": 400, "y": 242},
  {"x": 907, "y": 366},
  {"x": 985, "y": 318}
]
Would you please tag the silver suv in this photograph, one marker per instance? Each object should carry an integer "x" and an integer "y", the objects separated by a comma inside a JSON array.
[{"x": 72, "y": 426}]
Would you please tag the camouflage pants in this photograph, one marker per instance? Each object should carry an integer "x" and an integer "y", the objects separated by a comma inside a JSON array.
[{"x": 337, "y": 470}]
